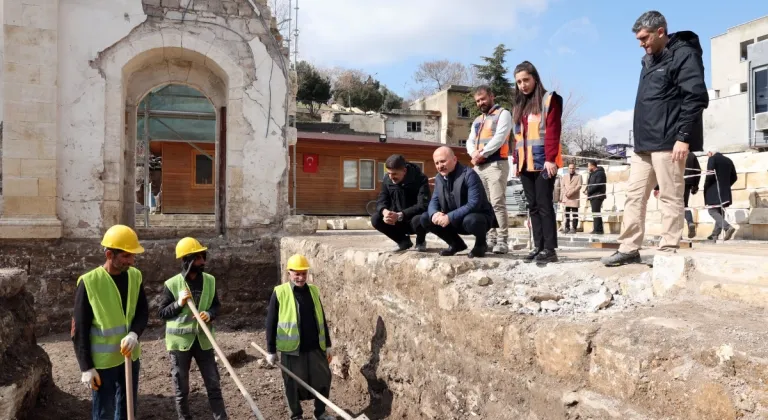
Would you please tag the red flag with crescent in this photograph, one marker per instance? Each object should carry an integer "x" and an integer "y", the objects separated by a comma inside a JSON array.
[{"x": 311, "y": 161}]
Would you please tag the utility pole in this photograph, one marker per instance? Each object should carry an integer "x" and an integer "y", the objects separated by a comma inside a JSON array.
[
  {"x": 290, "y": 28},
  {"x": 296, "y": 37}
]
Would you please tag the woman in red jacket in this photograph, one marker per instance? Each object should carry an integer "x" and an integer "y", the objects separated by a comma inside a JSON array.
[{"x": 537, "y": 121}]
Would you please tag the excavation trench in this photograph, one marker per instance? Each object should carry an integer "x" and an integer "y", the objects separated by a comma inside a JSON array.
[{"x": 419, "y": 336}]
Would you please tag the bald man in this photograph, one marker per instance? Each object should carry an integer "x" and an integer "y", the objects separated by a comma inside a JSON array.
[{"x": 459, "y": 206}]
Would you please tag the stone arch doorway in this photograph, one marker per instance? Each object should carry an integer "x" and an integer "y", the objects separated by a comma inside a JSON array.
[{"x": 176, "y": 158}]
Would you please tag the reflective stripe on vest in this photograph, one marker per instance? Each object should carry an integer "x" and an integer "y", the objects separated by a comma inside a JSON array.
[
  {"x": 288, "y": 334},
  {"x": 531, "y": 149},
  {"x": 181, "y": 332},
  {"x": 110, "y": 322},
  {"x": 485, "y": 129}
]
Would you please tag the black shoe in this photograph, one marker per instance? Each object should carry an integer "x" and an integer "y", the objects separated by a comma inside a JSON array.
[
  {"x": 478, "y": 251},
  {"x": 546, "y": 256},
  {"x": 531, "y": 255},
  {"x": 421, "y": 246},
  {"x": 597, "y": 232},
  {"x": 729, "y": 233},
  {"x": 453, "y": 250},
  {"x": 402, "y": 246},
  {"x": 691, "y": 231},
  {"x": 618, "y": 258}
]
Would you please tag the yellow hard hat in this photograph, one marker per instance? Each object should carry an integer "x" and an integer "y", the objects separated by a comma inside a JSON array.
[
  {"x": 298, "y": 263},
  {"x": 188, "y": 246},
  {"x": 123, "y": 238}
]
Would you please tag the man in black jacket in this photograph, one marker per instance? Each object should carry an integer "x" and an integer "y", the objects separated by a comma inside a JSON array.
[
  {"x": 596, "y": 194},
  {"x": 717, "y": 191},
  {"x": 458, "y": 206},
  {"x": 403, "y": 198},
  {"x": 671, "y": 98}
]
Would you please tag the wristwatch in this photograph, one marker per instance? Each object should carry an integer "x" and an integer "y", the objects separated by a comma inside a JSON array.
[{"x": 399, "y": 217}]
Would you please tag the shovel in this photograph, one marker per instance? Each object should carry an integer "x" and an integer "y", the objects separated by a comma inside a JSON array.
[
  {"x": 129, "y": 386},
  {"x": 319, "y": 396}
]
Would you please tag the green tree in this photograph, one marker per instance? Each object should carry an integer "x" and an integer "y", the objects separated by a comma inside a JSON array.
[
  {"x": 391, "y": 100},
  {"x": 314, "y": 89},
  {"x": 494, "y": 73},
  {"x": 354, "y": 89}
]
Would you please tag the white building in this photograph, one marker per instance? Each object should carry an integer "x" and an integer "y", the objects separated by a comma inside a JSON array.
[{"x": 397, "y": 123}]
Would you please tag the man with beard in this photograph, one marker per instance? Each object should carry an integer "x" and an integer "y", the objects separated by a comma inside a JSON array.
[
  {"x": 184, "y": 339},
  {"x": 110, "y": 314},
  {"x": 488, "y": 144}
]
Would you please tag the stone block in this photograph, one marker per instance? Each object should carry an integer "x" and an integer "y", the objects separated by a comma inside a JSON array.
[
  {"x": 11, "y": 167},
  {"x": 12, "y": 281},
  {"x": 741, "y": 199},
  {"x": 20, "y": 187},
  {"x": 111, "y": 191},
  {"x": 712, "y": 401},
  {"x": 38, "y": 168},
  {"x": 300, "y": 225},
  {"x": 741, "y": 182},
  {"x": 448, "y": 298},
  {"x": 29, "y": 132},
  {"x": 21, "y": 149},
  {"x": 670, "y": 272},
  {"x": 46, "y": 187},
  {"x": 615, "y": 371},
  {"x": 359, "y": 224},
  {"x": 29, "y": 206},
  {"x": 760, "y": 232},
  {"x": 759, "y": 199},
  {"x": 737, "y": 216},
  {"x": 24, "y": 228},
  {"x": 757, "y": 180},
  {"x": 514, "y": 342},
  {"x": 563, "y": 349},
  {"x": 21, "y": 73},
  {"x": 748, "y": 293}
]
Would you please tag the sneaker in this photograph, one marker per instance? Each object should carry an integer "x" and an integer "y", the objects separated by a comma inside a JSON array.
[
  {"x": 501, "y": 248},
  {"x": 531, "y": 255},
  {"x": 478, "y": 251},
  {"x": 691, "y": 231},
  {"x": 453, "y": 250},
  {"x": 729, "y": 233},
  {"x": 619, "y": 258},
  {"x": 402, "y": 246},
  {"x": 324, "y": 416},
  {"x": 546, "y": 256},
  {"x": 421, "y": 246}
]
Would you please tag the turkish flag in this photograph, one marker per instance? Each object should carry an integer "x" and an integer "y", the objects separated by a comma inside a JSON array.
[{"x": 311, "y": 161}]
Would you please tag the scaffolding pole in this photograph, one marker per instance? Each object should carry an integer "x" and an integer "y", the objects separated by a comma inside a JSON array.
[{"x": 147, "y": 193}]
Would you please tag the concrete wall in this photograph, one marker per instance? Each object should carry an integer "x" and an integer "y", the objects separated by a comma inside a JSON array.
[
  {"x": 397, "y": 127},
  {"x": 363, "y": 123},
  {"x": 224, "y": 49},
  {"x": 727, "y": 68},
  {"x": 726, "y": 121}
]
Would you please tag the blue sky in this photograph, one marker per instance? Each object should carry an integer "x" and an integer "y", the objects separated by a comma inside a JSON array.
[{"x": 588, "y": 46}]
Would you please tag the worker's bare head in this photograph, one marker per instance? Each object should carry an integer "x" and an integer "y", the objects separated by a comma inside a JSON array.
[
  {"x": 445, "y": 160},
  {"x": 572, "y": 168},
  {"x": 396, "y": 168},
  {"x": 592, "y": 165},
  {"x": 298, "y": 277},
  {"x": 119, "y": 260},
  {"x": 651, "y": 31},
  {"x": 484, "y": 98}
]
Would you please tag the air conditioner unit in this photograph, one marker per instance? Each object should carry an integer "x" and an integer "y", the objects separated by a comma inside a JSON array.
[{"x": 761, "y": 121}]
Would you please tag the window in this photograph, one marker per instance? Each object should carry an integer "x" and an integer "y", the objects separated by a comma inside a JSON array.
[
  {"x": 202, "y": 169},
  {"x": 367, "y": 177},
  {"x": 382, "y": 172},
  {"x": 761, "y": 91},
  {"x": 463, "y": 143},
  {"x": 420, "y": 165},
  {"x": 762, "y": 38},
  {"x": 743, "y": 47},
  {"x": 463, "y": 111},
  {"x": 414, "y": 126},
  {"x": 350, "y": 174}
]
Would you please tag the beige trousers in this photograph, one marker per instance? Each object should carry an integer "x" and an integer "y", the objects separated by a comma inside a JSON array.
[
  {"x": 646, "y": 170},
  {"x": 494, "y": 176}
]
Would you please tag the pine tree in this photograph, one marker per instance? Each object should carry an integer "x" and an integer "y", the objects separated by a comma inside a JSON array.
[{"x": 494, "y": 73}]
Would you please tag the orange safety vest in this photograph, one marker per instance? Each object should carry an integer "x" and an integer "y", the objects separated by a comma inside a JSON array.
[
  {"x": 531, "y": 149},
  {"x": 485, "y": 127}
]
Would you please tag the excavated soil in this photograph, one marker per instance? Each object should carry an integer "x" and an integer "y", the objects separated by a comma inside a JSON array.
[{"x": 70, "y": 399}]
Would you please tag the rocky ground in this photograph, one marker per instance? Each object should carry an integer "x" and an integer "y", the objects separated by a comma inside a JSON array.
[{"x": 70, "y": 399}]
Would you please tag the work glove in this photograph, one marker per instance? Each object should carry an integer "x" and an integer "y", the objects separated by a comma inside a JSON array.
[
  {"x": 205, "y": 316},
  {"x": 91, "y": 379},
  {"x": 183, "y": 297},
  {"x": 329, "y": 354},
  {"x": 128, "y": 343},
  {"x": 271, "y": 359}
]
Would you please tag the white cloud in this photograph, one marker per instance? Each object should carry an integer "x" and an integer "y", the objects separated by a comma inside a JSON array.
[
  {"x": 573, "y": 34},
  {"x": 614, "y": 126},
  {"x": 357, "y": 33}
]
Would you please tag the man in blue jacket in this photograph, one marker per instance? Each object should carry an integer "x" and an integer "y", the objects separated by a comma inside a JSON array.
[{"x": 458, "y": 206}]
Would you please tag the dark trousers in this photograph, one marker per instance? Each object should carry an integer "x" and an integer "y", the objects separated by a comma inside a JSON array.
[
  {"x": 109, "y": 402},
  {"x": 538, "y": 192},
  {"x": 572, "y": 213},
  {"x": 475, "y": 224},
  {"x": 312, "y": 367},
  {"x": 718, "y": 213},
  {"x": 597, "y": 219},
  {"x": 688, "y": 213},
  {"x": 400, "y": 230},
  {"x": 180, "y": 363}
]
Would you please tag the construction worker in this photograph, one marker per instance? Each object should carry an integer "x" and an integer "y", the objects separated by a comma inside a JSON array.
[
  {"x": 184, "y": 339},
  {"x": 296, "y": 327},
  {"x": 110, "y": 315}
]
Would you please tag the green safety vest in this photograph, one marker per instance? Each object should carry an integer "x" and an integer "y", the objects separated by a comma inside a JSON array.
[
  {"x": 180, "y": 332},
  {"x": 110, "y": 321},
  {"x": 288, "y": 318}
]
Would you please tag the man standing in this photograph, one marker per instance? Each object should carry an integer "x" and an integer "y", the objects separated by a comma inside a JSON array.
[
  {"x": 110, "y": 315},
  {"x": 717, "y": 191},
  {"x": 570, "y": 193},
  {"x": 671, "y": 97},
  {"x": 458, "y": 206},
  {"x": 596, "y": 189},
  {"x": 692, "y": 179},
  {"x": 184, "y": 339},
  {"x": 297, "y": 328},
  {"x": 403, "y": 198},
  {"x": 488, "y": 144}
]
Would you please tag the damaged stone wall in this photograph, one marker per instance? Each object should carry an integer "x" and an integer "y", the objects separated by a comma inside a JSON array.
[
  {"x": 233, "y": 40},
  {"x": 245, "y": 274},
  {"x": 24, "y": 366}
]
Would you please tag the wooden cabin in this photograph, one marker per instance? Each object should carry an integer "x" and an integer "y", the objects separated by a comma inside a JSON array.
[{"x": 339, "y": 174}]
